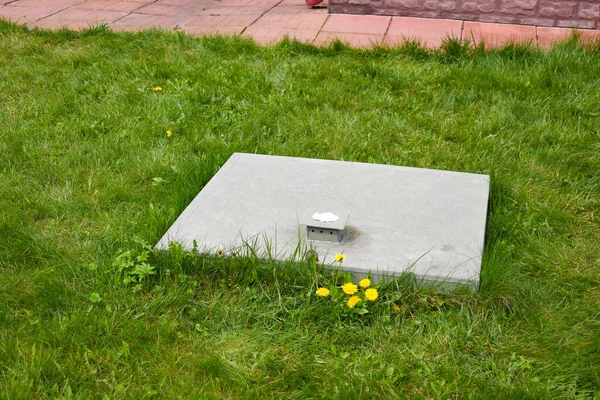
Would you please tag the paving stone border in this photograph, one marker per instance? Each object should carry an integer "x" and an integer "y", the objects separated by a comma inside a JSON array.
[
  {"x": 269, "y": 21},
  {"x": 571, "y": 14}
]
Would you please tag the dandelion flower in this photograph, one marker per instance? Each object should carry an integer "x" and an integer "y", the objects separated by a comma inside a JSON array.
[
  {"x": 349, "y": 288},
  {"x": 396, "y": 308},
  {"x": 158, "y": 89},
  {"x": 323, "y": 292},
  {"x": 219, "y": 251},
  {"x": 352, "y": 301},
  {"x": 169, "y": 133},
  {"x": 371, "y": 294},
  {"x": 365, "y": 283},
  {"x": 339, "y": 257}
]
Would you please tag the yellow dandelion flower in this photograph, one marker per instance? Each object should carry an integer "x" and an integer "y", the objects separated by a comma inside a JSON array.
[
  {"x": 365, "y": 283},
  {"x": 349, "y": 288},
  {"x": 352, "y": 301},
  {"x": 323, "y": 292},
  {"x": 396, "y": 308},
  {"x": 371, "y": 294},
  {"x": 169, "y": 133},
  {"x": 158, "y": 89},
  {"x": 339, "y": 257},
  {"x": 219, "y": 251}
]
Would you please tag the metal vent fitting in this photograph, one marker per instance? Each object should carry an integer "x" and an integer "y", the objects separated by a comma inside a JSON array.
[{"x": 323, "y": 225}]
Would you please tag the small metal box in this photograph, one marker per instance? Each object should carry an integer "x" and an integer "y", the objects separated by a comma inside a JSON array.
[{"x": 324, "y": 226}]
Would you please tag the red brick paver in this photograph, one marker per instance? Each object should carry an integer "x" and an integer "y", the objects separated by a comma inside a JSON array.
[
  {"x": 292, "y": 21},
  {"x": 495, "y": 35},
  {"x": 219, "y": 24},
  {"x": 361, "y": 24},
  {"x": 75, "y": 18},
  {"x": 360, "y": 40},
  {"x": 546, "y": 37},
  {"x": 268, "y": 21},
  {"x": 110, "y": 5},
  {"x": 136, "y": 22},
  {"x": 27, "y": 13},
  {"x": 355, "y": 30},
  {"x": 430, "y": 32}
]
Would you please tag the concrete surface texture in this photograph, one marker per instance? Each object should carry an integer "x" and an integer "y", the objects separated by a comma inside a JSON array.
[
  {"x": 268, "y": 21},
  {"x": 430, "y": 222}
]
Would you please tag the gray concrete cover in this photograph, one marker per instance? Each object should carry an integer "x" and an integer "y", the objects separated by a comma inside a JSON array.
[{"x": 429, "y": 220}]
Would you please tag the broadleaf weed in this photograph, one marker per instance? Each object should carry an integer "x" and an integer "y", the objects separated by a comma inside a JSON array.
[{"x": 133, "y": 266}]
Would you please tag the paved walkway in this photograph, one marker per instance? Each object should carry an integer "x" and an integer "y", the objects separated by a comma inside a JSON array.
[{"x": 268, "y": 21}]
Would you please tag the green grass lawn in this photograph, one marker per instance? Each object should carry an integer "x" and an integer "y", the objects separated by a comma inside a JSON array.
[{"x": 87, "y": 173}]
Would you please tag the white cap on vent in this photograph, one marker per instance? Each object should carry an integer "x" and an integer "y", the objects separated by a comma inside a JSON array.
[{"x": 325, "y": 217}]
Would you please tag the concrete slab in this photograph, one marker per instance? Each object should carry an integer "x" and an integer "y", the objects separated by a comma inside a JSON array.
[{"x": 430, "y": 222}]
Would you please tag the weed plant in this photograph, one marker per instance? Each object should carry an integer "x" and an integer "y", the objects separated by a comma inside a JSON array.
[{"x": 89, "y": 174}]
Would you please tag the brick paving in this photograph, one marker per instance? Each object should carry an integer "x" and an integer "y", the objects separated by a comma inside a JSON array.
[
  {"x": 430, "y": 32},
  {"x": 268, "y": 21}
]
